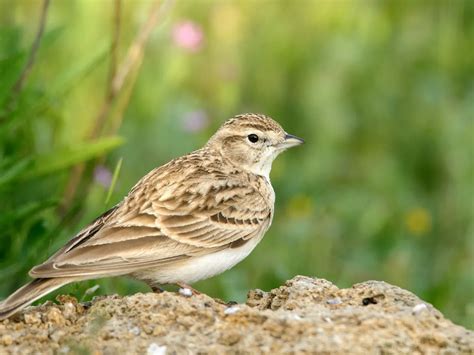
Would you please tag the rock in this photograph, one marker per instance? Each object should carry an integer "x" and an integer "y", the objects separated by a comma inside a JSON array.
[
  {"x": 304, "y": 315},
  {"x": 6, "y": 339},
  {"x": 54, "y": 315}
]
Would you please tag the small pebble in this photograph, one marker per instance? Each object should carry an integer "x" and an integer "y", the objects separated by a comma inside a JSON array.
[
  {"x": 57, "y": 335},
  {"x": 32, "y": 318},
  {"x": 159, "y": 330},
  {"x": 55, "y": 316},
  {"x": 232, "y": 310},
  {"x": 6, "y": 340},
  {"x": 230, "y": 337},
  {"x": 295, "y": 316},
  {"x": 336, "y": 300},
  {"x": 69, "y": 310},
  {"x": 186, "y": 292},
  {"x": 155, "y": 349},
  {"x": 305, "y": 281},
  {"x": 65, "y": 350},
  {"x": 135, "y": 331},
  {"x": 419, "y": 308}
]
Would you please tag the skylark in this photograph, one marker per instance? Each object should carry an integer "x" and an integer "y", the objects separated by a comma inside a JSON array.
[{"x": 185, "y": 221}]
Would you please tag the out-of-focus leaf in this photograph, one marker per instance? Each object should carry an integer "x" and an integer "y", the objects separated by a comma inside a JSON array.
[
  {"x": 65, "y": 158},
  {"x": 10, "y": 40},
  {"x": 81, "y": 68},
  {"x": 25, "y": 212},
  {"x": 14, "y": 171},
  {"x": 65, "y": 81},
  {"x": 52, "y": 35},
  {"x": 10, "y": 69},
  {"x": 13, "y": 59}
]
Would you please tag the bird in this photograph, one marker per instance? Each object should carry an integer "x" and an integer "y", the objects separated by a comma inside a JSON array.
[{"x": 190, "y": 219}]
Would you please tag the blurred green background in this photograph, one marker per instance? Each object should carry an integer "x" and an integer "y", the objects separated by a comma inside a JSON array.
[{"x": 382, "y": 91}]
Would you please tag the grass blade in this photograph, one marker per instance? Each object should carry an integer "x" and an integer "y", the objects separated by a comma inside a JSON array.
[{"x": 114, "y": 180}]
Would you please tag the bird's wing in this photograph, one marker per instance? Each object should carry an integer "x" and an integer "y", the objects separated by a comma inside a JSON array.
[{"x": 158, "y": 224}]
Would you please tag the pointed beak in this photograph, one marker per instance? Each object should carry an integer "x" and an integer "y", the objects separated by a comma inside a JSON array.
[{"x": 290, "y": 141}]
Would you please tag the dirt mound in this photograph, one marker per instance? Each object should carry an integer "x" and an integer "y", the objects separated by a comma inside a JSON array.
[{"x": 303, "y": 315}]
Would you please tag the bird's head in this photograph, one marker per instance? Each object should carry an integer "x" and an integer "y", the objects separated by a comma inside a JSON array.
[{"x": 252, "y": 141}]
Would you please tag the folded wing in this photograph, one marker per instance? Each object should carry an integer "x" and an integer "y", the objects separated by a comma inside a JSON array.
[{"x": 161, "y": 223}]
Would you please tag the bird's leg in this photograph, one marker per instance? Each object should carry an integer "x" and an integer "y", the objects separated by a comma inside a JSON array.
[
  {"x": 184, "y": 286},
  {"x": 224, "y": 303}
]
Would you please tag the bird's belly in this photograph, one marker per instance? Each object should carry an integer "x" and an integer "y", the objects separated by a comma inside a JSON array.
[{"x": 199, "y": 267}]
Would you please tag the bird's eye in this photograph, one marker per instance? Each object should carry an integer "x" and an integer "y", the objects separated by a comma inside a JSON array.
[{"x": 253, "y": 138}]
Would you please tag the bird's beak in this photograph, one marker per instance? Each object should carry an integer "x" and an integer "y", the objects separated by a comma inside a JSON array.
[{"x": 290, "y": 141}]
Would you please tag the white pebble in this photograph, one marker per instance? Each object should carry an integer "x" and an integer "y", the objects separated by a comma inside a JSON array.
[
  {"x": 135, "y": 331},
  {"x": 65, "y": 350},
  {"x": 155, "y": 349},
  {"x": 294, "y": 316},
  {"x": 336, "y": 300},
  {"x": 231, "y": 310},
  {"x": 305, "y": 281},
  {"x": 419, "y": 308},
  {"x": 186, "y": 292}
]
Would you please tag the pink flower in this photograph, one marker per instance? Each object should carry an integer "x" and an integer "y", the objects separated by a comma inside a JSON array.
[
  {"x": 188, "y": 35},
  {"x": 102, "y": 176},
  {"x": 195, "y": 121}
]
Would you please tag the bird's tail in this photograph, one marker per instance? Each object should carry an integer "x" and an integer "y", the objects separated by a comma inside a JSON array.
[{"x": 29, "y": 293}]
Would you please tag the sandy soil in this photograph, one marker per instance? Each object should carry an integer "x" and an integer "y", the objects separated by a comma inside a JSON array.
[{"x": 304, "y": 315}]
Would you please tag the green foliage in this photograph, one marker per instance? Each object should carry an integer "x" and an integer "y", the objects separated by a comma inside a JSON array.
[
  {"x": 61, "y": 159},
  {"x": 382, "y": 92}
]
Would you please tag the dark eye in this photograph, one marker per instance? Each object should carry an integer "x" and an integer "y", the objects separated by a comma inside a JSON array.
[{"x": 253, "y": 138}]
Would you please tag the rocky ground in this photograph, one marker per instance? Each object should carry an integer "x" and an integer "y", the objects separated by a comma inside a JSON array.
[{"x": 304, "y": 315}]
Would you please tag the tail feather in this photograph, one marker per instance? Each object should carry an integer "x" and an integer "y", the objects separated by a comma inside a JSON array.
[{"x": 29, "y": 293}]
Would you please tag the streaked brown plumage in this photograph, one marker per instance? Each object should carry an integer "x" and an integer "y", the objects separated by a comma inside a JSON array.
[{"x": 187, "y": 220}]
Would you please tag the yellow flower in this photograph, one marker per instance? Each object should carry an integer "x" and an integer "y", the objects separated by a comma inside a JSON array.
[
  {"x": 300, "y": 206},
  {"x": 418, "y": 221}
]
